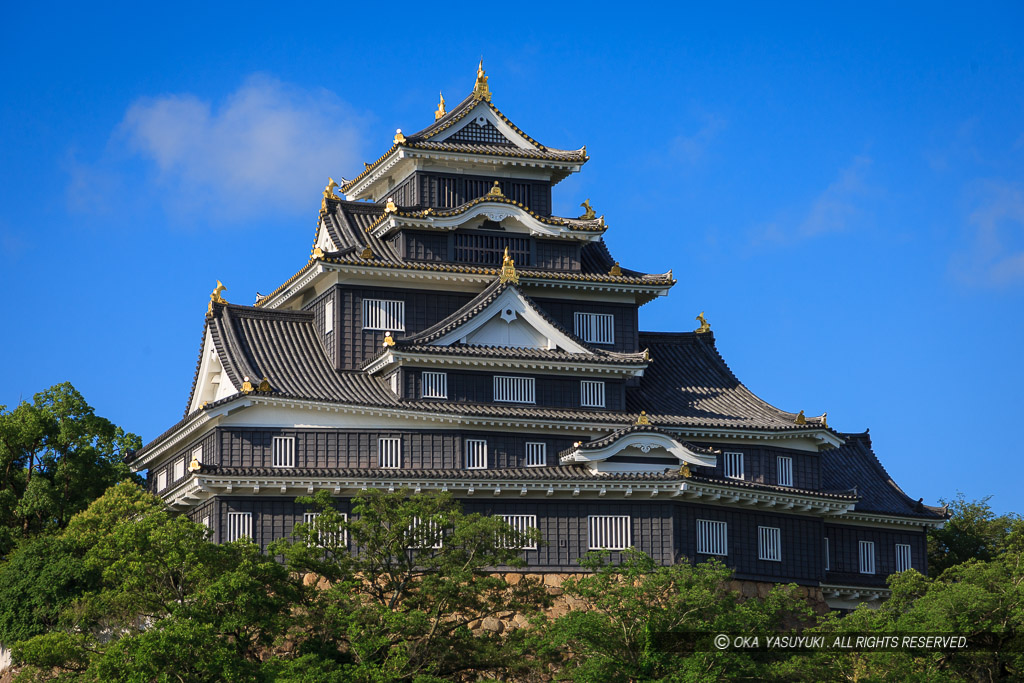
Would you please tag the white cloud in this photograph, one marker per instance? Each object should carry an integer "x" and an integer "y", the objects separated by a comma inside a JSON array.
[
  {"x": 835, "y": 209},
  {"x": 267, "y": 146},
  {"x": 994, "y": 256},
  {"x": 690, "y": 148}
]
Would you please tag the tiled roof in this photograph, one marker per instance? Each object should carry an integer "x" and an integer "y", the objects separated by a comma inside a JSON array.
[
  {"x": 689, "y": 383},
  {"x": 618, "y": 434},
  {"x": 421, "y": 140},
  {"x": 554, "y": 355},
  {"x": 855, "y": 466}
]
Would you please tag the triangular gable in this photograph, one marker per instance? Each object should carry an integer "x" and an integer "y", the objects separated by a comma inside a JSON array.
[
  {"x": 510, "y": 320},
  {"x": 323, "y": 239},
  {"x": 212, "y": 381},
  {"x": 482, "y": 126}
]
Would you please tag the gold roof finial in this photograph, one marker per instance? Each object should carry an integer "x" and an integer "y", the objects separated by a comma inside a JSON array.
[
  {"x": 495, "y": 190},
  {"x": 589, "y": 213},
  {"x": 616, "y": 270},
  {"x": 318, "y": 252},
  {"x": 390, "y": 206},
  {"x": 824, "y": 419},
  {"x": 388, "y": 339},
  {"x": 643, "y": 419},
  {"x": 367, "y": 253},
  {"x": 440, "y": 108},
  {"x": 480, "y": 90},
  {"x": 195, "y": 465},
  {"x": 705, "y": 326},
  {"x": 399, "y": 138},
  {"x": 508, "y": 269},
  {"x": 246, "y": 386},
  {"x": 216, "y": 298},
  {"x": 800, "y": 419},
  {"x": 685, "y": 470},
  {"x": 264, "y": 384},
  {"x": 329, "y": 190}
]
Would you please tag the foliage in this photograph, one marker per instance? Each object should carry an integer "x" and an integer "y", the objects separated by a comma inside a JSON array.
[
  {"x": 402, "y": 605},
  {"x": 56, "y": 456},
  {"x": 640, "y": 619},
  {"x": 973, "y": 532}
]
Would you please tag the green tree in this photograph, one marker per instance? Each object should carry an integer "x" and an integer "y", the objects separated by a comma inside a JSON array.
[
  {"x": 640, "y": 619},
  {"x": 56, "y": 456},
  {"x": 169, "y": 604},
  {"x": 972, "y": 532},
  {"x": 401, "y": 606}
]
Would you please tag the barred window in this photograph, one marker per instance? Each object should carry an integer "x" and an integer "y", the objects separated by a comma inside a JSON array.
[
  {"x": 785, "y": 466},
  {"x": 239, "y": 525},
  {"x": 490, "y": 249},
  {"x": 712, "y": 537},
  {"x": 384, "y": 314},
  {"x": 435, "y": 384},
  {"x": 389, "y": 453},
  {"x": 536, "y": 454},
  {"x": 609, "y": 532},
  {"x": 867, "y": 557},
  {"x": 521, "y": 523},
  {"x": 477, "y": 132},
  {"x": 325, "y": 537},
  {"x": 425, "y": 534},
  {"x": 328, "y": 315},
  {"x": 179, "y": 468},
  {"x": 591, "y": 394},
  {"x": 595, "y": 328},
  {"x": 514, "y": 389},
  {"x": 769, "y": 543},
  {"x": 476, "y": 454},
  {"x": 284, "y": 451},
  {"x": 902, "y": 557},
  {"x": 828, "y": 562},
  {"x": 734, "y": 465},
  {"x": 161, "y": 480}
]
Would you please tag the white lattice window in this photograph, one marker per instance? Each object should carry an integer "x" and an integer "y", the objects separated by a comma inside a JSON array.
[
  {"x": 769, "y": 543},
  {"x": 712, "y": 537},
  {"x": 902, "y": 557},
  {"x": 325, "y": 537},
  {"x": 828, "y": 562},
  {"x": 197, "y": 453},
  {"x": 591, "y": 394},
  {"x": 389, "y": 453},
  {"x": 476, "y": 454},
  {"x": 514, "y": 389},
  {"x": 867, "y": 557},
  {"x": 384, "y": 314},
  {"x": 785, "y": 466},
  {"x": 393, "y": 383},
  {"x": 734, "y": 465},
  {"x": 595, "y": 328},
  {"x": 521, "y": 523},
  {"x": 161, "y": 480},
  {"x": 239, "y": 525},
  {"x": 609, "y": 532},
  {"x": 179, "y": 468},
  {"x": 536, "y": 454},
  {"x": 424, "y": 534},
  {"x": 328, "y": 316},
  {"x": 206, "y": 522},
  {"x": 435, "y": 384},
  {"x": 284, "y": 451}
]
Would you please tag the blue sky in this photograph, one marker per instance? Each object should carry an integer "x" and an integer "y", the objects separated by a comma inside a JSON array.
[{"x": 841, "y": 190}]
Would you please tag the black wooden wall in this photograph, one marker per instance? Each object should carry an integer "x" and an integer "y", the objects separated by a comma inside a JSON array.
[
  {"x": 554, "y": 391},
  {"x": 844, "y": 552}
]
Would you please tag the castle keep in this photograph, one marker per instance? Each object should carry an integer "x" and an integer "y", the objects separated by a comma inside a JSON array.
[{"x": 447, "y": 332}]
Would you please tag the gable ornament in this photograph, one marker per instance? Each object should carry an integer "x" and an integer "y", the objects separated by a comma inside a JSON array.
[
  {"x": 616, "y": 270},
  {"x": 508, "y": 270},
  {"x": 366, "y": 254},
  {"x": 480, "y": 90},
  {"x": 588, "y": 212},
  {"x": 399, "y": 138},
  {"x": 642, "y": 419},
  {"x": 388, "y": 339},
  {"x": 216, "y": 298},
  {"x": 800, "y": 419},
  {"x": 705, "y": 326},
  {"x": 440, "y": 108},
  {"x": 264, "y": 384},
  {"x": 246, "y": 386},
  {"x": 495, "y": 190}
]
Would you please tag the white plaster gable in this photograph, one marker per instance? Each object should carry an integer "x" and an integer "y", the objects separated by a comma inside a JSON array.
[
  {"x": 511, "y": 321},
  {"x": 323, "y": 239},
  {"x": 616, "y": 457},
  {"x": 213, "y": 383},
  {"x": 479, "y": 116}
]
